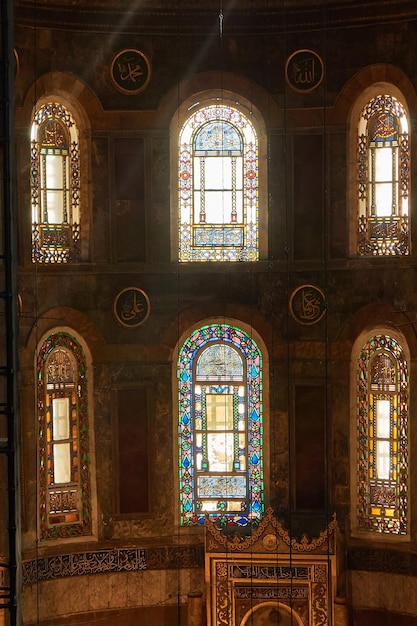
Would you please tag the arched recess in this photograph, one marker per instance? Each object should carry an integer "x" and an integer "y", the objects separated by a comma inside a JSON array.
[
  {"x": 221, "y": 427},
  {"x": 271, "y": 614},
  {"x": 382, "y": 102},
  {"x": 379, "y": 434},
  {"x": 57, "y": 160},
  {"x": 218, "y": 155},
  {"x": 65, "y": 436}
]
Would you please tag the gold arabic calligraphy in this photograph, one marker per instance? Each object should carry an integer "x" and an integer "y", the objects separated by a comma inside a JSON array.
[
  {"x": 304, "y": 72},
  {"x": 130, "y": 70},
  {"x": 308, "y": 305},
  {"x": 131, "y": 307}
]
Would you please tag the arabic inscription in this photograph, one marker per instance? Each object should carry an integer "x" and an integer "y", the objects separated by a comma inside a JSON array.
[
  {"x": 304, "y": 71},
  {"x": 130, "y": 71},
  {"x": 307, "y": 305},
  {"x": 131, "y": 307}
]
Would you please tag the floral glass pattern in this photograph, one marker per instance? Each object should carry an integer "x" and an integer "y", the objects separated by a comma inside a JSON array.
[
  {"x": 383, "y": 178},
  {"x": 220, "y": 427},
  {"x": 64, "y": 460},
  {"x": 55, "y": 185},
  {"x": 218, "y": 186},
  {"x": 382, "y": 405}
]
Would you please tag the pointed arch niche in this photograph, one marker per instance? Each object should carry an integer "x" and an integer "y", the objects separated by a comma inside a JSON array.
[
  {"x": 218, "y": 185},
  {"x": 221, "y": 443}
]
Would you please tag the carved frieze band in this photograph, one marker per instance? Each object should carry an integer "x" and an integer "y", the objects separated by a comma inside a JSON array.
[
  {"x": 380, "y": 560},
  {"x": 111, "y": 560}
]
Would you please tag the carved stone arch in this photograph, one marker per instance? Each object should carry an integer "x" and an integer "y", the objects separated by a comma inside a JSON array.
[{"x": 271, "y": 614}]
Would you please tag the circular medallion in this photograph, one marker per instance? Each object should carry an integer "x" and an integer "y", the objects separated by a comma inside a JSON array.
[
  {"x": 131, "y": 307},
  {"x": 270, "y": 542},
  {"x": 130, "y": 71},
  {"x": 304, "y": 71},
  {"x": 307, "y": 304}
]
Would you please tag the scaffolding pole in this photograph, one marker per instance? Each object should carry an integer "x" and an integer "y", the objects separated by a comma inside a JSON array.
[{"x": 10, "y": 566}]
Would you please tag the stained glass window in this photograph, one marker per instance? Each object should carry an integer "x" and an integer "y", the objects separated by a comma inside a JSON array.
[
  {"x": 383, "y": 178},
  {"x": 220, "y": 426},
  {"x": 218, "y": 186},
  {"x": 55, "y": 185},
  {"x": 64, "y": 463},
  {"x": 382, "y": 406}
]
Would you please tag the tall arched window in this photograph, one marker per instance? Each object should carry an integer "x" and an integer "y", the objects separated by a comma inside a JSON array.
[
  {"x": 55, "y": 185},
  {"x": 383, "y": 157},
  {"x": 220, "y": 426},
  {"x": 218, "y": 186},
  {"x": 64, "y": 456},
  {"x": 382, "y": 390}
]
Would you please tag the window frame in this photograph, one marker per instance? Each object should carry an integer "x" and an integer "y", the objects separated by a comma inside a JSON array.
[
  {"x": 373, "y": 235},
  {"x": 189, "y": 348},
  {"x": 365, "y": 520},
  {"x": 65, "y": 340},
  {"x": 190, "y": 109},
  {"x": 56, "y": 242}
]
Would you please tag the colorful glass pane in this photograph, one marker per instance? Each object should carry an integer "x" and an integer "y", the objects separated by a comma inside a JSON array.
[
  {"x": 220, "y": 426},
  {"x": 55, "y": 185},
  {"x": 382, "y": 404},
  {"x": 218, "y": 186},
  {"x": 383, "y": 178},
  {"x": 64, "y": 468},
  {"x": 218, "y": 136}
]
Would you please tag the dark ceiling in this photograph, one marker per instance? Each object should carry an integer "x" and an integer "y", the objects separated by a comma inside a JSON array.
[{"x": 148, "y": 16}]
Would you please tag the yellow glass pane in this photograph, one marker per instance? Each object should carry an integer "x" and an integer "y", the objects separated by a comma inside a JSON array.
[{"x": 219, "y": 411}]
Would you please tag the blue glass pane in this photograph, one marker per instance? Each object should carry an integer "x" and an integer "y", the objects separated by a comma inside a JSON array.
[
  {"x": 218, "y": 136},
  {"x": 218, "y": 236},
  {"x": 219, "y": 361}
]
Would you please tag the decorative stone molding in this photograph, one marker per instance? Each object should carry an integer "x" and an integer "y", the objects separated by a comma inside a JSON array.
[{"x": 111, "y": 560}]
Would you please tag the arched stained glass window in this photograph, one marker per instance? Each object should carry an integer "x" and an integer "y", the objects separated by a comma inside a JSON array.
[
  {"x": 382, "y": 436},
  {"x": 383, "y": 178},
  {"x": 64, "y": 461},
  {"x": 218, "y": 186},
  {"x": 220, "y": 426},
  {"x": 55, "y": 185}
]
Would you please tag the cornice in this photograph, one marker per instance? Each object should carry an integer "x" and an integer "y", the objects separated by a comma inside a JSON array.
[{"x": 260, "y": 17}]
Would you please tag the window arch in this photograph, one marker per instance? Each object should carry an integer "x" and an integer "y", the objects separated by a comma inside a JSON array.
[
  {"x": 218, "y": 185},
  {"x": 220, "y": 426},
  {"x": 64, "y": 435},
  {"x": 383, "y": 166},
  {"x": 55, "y": 185},
  {"x": 382, "y": 390}
]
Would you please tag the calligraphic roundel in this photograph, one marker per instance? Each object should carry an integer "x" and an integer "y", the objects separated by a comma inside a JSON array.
[
  {"x": 304, "y": 71},
  {"x": 307, "y": 304},
  {"x": 131, "y": 307},
  {"x": 130, "y": 71}
]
